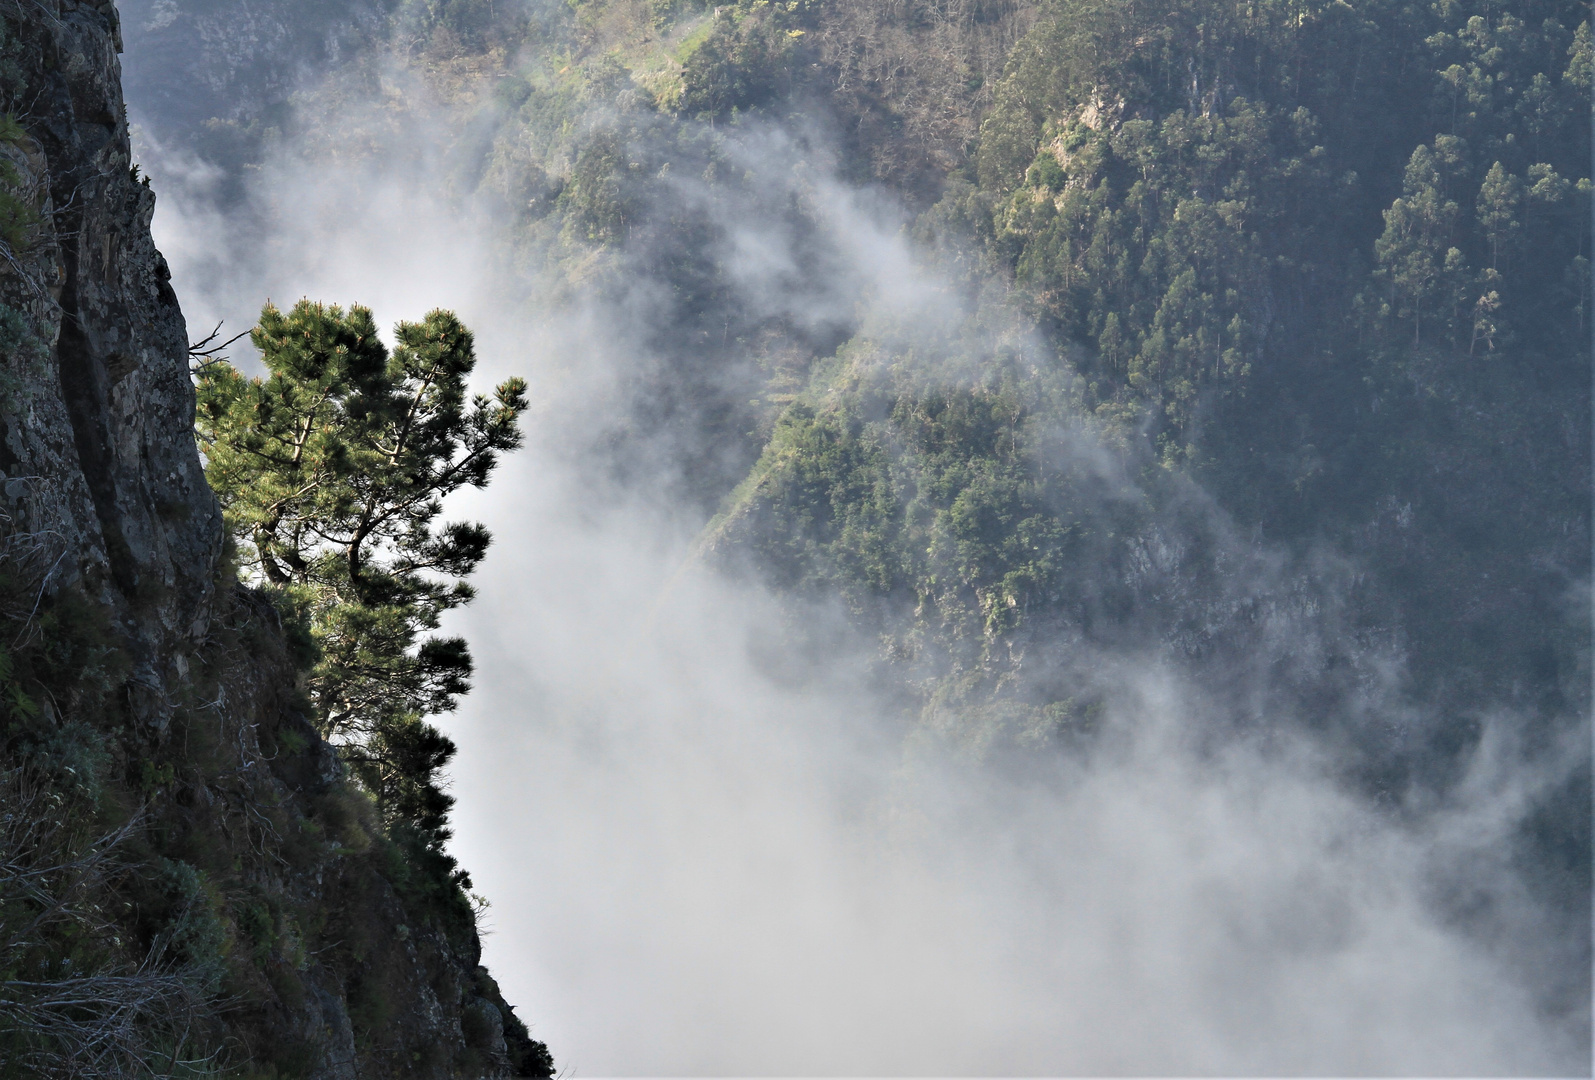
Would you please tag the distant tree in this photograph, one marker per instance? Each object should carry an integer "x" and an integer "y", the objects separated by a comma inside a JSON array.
[
  {"x": 746, "y": 61},
  {"x": 1500, "y": 197},
  {"x": 331, "y": 472},
  {"x": 1415, "y": 253}
]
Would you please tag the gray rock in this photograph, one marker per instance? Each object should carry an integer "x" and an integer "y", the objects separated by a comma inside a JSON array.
[{"x": 97, "y": 409}]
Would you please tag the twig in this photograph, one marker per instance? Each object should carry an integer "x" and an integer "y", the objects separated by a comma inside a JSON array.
[{"x": 210, "y": 355}]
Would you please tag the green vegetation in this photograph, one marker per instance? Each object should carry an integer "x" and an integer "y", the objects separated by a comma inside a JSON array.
[
  {"x": 331, "y": 473},
  {"x": 950, "y": 512},
  {"x": 1286, "y": 250},
  {"x": 1295, "y": 243},
  {"x": 747, "y": 59},
  {"x": 1219, "y": 157}
]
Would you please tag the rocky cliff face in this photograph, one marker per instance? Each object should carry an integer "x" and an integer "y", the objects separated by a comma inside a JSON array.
[
  {"x": 277, "y": 928},
  {"x": 97, "y": 426}
]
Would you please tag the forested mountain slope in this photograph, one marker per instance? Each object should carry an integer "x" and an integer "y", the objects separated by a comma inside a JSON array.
[
  {"x": 1287, "y": 254},
  {"x": 1246, "y": 339}
]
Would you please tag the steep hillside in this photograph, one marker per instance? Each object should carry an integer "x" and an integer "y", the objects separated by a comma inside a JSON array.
[
  {"x": 189, "y": 885},
  {"x": 1277, "y": 307}
]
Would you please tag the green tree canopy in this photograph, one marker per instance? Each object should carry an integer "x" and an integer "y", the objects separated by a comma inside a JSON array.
[
  {"x": 1416, "y": 252},
  {"x": 331, "y": 471}
]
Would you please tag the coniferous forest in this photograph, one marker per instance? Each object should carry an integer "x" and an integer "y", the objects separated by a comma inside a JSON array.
[{"x": 1042, "y": 353}]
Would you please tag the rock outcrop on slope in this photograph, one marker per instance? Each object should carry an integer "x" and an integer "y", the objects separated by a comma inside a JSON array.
[{"x": 182, "y": 861}]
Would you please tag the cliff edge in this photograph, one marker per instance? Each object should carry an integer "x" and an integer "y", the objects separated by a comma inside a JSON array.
[{"x": 189, "y": 884}]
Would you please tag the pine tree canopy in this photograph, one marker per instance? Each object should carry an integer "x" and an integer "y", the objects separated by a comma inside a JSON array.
[{"x": 332, "y": 472}]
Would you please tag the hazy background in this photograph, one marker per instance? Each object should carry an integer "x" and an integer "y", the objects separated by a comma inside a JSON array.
[{"x": 703, "y": 859}]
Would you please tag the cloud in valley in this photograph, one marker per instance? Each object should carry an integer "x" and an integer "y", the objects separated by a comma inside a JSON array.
[{"x": 701, "y": 861}]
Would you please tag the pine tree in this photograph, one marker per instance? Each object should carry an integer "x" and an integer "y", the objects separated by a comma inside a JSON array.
[
  {"x": 331, "y": 472},
  {"x": 1500, "y": 196},
  {"x": 1415, "y": 254}
]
